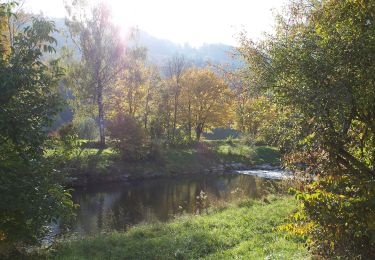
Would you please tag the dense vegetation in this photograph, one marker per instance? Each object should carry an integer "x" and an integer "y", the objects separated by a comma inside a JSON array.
[
  {"x": 308, "y": 89},
  {"x": 31, "y": 193},
  {"x": 319, "y": 68}
]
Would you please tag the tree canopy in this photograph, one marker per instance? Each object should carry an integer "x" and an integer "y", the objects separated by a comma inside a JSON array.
[{"x": 320, "y": 65}]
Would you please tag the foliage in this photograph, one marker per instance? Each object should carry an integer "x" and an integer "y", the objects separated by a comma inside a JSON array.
[
  {"x": 128, "y": 137},
  {"x": 218, "y": 235},
  {"x": 101, "y": 52},
  {"x": 205, "y": 101},
  {"x": 86, "y": 127},
  {"x": 256, "y": 117},
  {"x": 320, "y": 66},
  {"x": 30, "y": 194}
]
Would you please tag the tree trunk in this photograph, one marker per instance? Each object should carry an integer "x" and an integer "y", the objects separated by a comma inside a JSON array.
[
  {"x": 101, "y": 116},
  {"x": 199, "y": 130},
  {"x": 175, "y": 113},
  {"x": 168, "y": 123},
  {"x": 145, "y": 119},
  {"x": 189, "y": 120}
]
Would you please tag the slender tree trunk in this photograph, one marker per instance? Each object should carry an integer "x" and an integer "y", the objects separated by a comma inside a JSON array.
[
  {"x": 175, "y": 116},
  {"x": 199, "y": 130},
  {"x": 189, "y": 120},
  {"x": 168, "y": 120},
  {"x": 176, "y": 94},
  {"x": 146, "y": 109},
  {"x": 101, "y": 115}
]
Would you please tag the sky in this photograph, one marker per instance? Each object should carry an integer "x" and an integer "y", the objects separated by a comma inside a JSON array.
[{"x": 184, "y": 21}]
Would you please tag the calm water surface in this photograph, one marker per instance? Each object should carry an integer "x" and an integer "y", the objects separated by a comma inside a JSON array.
[{"x": 119, "y": 206}]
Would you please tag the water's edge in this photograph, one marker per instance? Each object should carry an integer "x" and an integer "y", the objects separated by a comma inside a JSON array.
[{"x": 270, "y": 171}]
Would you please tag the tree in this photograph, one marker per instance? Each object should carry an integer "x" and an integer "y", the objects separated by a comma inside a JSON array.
[
  {"x": 101, "y": 54},
  {"x": 4, "y": 32},
  {"x": 205, "y": 101},
  {"x": 31, "y": 196},
  {"x": 129, "y": 90},
  {"x": 255, "y": 117},
  {"x": 152, "y": 86},
  {"x": 175, "y": 69},
  {"x": 255, "y": 113},
  {"x": 320, "y": 65}
]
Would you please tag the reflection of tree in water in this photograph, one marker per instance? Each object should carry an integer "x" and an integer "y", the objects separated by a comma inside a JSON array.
[
  {"x": 232, "y": 186},
  {"x": 123, "y": 205},
  {"x": 92, "y": 213}
]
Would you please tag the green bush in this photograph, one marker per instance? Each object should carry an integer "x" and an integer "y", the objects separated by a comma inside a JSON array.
[
  {"x": 30, "y": 190},
  {"x": 157, "y": 151},
  {"x": 229, "y": 140},
  {"x": 87, "y": 128}
]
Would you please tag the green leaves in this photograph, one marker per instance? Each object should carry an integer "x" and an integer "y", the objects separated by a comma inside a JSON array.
[
  {"x": 321, "y": 68},
  {"x": 31, "y": 196}
]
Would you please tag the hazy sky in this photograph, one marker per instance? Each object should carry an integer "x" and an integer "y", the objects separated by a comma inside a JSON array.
[{"x": 192, "y": 21}]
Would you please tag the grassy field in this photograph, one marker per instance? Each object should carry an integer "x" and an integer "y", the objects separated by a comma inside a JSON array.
[{"x": 246, "y": 230}]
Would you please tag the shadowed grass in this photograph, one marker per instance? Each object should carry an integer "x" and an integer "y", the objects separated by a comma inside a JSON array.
[
  {"x": 245, "y": 231},
  {"x": 88, "y": 165}
]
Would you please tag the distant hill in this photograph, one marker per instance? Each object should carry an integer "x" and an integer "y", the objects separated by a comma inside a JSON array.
[{"x": 160, "y": 50}]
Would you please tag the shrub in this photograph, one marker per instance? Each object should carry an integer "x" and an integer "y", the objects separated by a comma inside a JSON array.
[
  {"x": 67, "y": 135},
  {"x": 337, "y": 209},
  {"x": 229, "y": 140},
  {"x": 128, "y": 138},
  {"x": 156, "y": 151},
  {"x": 87, "y": 128}
]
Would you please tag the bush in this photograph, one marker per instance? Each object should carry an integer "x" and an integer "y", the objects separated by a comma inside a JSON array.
[
  {"x": 128, "y": 138},
  {"x": 87, "y": 128},
  {"x": 156, "y": 151},
  {"x": 229, "y": 140},
  {"x": 68, "y": 136},
  {"x": 337, "y": 210}
]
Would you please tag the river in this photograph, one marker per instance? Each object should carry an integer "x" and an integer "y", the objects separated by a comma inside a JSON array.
[{"x": 118, "y": 206}]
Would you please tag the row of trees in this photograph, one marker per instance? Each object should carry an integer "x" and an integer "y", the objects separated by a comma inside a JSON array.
[{"x": 176, "y": 102}]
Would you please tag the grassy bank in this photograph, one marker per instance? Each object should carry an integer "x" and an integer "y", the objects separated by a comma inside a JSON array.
[
  {"x": 247, "y": 230},
  {"x": 94, "y": 164}
]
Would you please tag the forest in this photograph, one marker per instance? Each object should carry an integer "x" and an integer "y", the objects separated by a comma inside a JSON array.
[{"x": 106, "y": 153}]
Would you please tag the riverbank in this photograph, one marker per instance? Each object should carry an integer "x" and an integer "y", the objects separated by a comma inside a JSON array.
[
  {"x": 92, "y": 166},
  {"x": 244, "y": 230}
]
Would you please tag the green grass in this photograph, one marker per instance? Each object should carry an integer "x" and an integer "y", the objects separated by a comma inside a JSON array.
[
  {"x": 212, "y": 153},
  {"x": 247, "y": 230},
  {"x": 236, "y": 151},
  {"x": 100, "y": 165}
]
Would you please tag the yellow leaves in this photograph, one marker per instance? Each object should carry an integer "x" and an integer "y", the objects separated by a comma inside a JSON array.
[
  {"x": 205, "y": 98},
  {"x": 301, "y": 229},
  {"x": 4, "y": 36}
]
